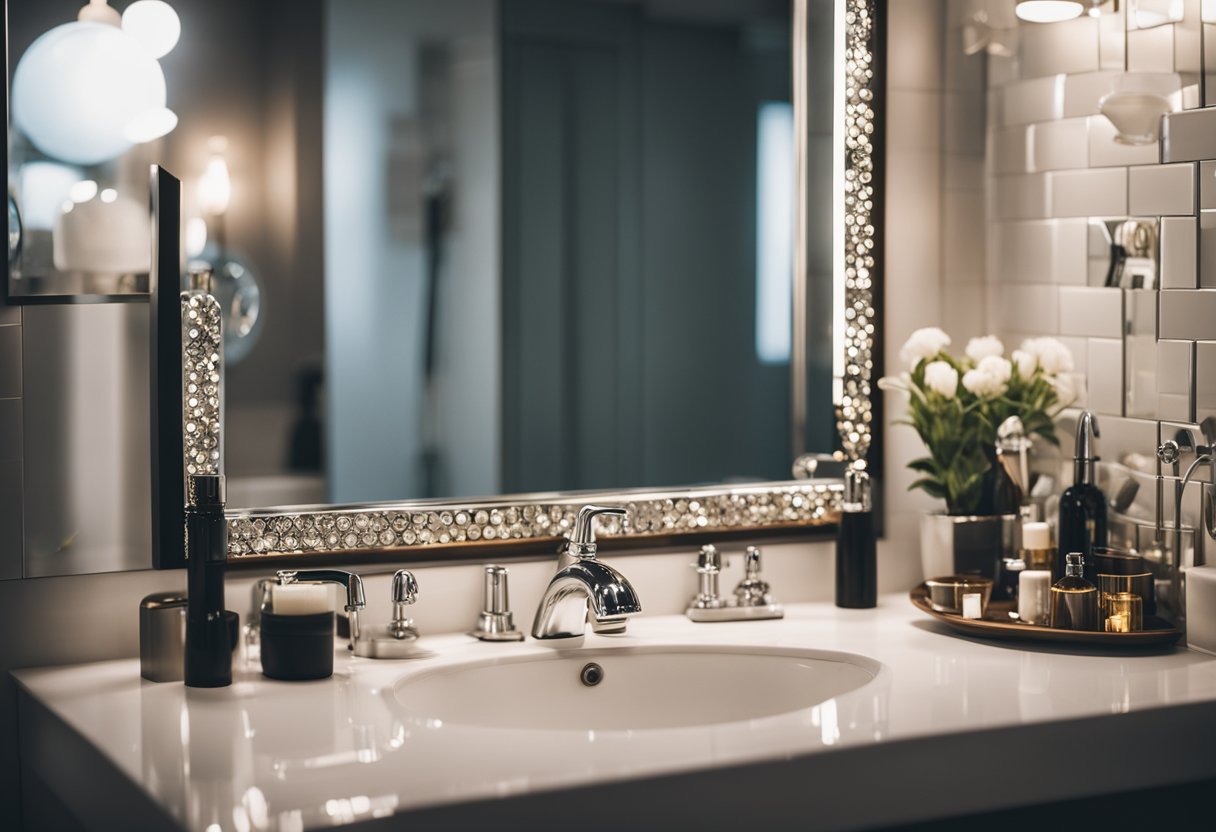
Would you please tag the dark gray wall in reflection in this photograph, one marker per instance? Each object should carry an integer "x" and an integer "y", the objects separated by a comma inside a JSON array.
[{"x": 630, "y": 250}]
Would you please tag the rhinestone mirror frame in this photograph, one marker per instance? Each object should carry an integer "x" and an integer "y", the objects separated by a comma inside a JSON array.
[{"x": 427, "y": 526}]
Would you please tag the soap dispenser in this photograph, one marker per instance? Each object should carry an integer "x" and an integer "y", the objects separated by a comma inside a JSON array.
[
  {"x": 856, "y": 545},
  {"x": 1082, "y": 524}
]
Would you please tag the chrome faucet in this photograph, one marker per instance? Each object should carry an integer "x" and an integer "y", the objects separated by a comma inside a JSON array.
[
  {"x": 584, "y": 588},
  {"x": 1170, "y": 453}
]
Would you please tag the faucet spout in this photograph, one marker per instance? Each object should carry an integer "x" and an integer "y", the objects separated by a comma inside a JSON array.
[{"x": 585, "y": 590}]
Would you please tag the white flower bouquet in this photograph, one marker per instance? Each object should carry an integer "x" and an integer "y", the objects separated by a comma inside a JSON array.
[{"x": 957, "y": 404}]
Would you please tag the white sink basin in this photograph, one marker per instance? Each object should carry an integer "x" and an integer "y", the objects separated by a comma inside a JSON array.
[{"x": 641, "y": 688}]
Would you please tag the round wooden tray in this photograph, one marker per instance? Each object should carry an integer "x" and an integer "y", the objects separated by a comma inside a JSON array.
[{"x": 996, "y": 623}]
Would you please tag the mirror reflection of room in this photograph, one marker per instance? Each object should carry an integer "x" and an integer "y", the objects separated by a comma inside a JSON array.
[{"x": 463, "y": 248}]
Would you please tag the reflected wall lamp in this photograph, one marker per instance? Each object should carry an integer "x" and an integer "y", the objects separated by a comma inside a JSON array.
[{"x": 1048, "y": 11}]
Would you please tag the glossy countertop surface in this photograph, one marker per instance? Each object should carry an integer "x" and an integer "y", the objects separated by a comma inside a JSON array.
[{"x": 266, "y": 754}]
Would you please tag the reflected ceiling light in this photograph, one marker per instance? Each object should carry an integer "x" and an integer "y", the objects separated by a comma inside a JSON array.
[
  {"x": 1048, "y": 11},
  {"x": 86, "y": 91},
  {"x": 215, "y": 185},
  {"x": 196, "y": 236},
  {"x": 82, "y": 191},
  {"x": 108, "y": 195},
  {"x": 44, "y": 188},
  {"x": 154, "y": 24},
  {"x": 151, "y": 125}
]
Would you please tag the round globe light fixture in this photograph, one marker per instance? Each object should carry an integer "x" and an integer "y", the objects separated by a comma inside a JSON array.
[
  {"x": 1048, "y": 11},
  {"x": 80, "y": 87},
  {"x": 153, "y": 24}
]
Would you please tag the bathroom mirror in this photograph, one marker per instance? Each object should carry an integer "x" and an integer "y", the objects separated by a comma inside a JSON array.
[{"x": 511, "y": 246}]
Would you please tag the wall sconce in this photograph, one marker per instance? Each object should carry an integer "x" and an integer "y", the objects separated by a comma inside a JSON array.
[
  {"x": 235, "y": 282},
  {"x": 87, "y": 91},
  {"x": 1135, "y": 115},
  {"x": 215, "y": 185},
  {"x": 1048, "y": 11}
]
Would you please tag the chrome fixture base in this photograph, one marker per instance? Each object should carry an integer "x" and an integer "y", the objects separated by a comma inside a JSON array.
[
  {"x": 495, "y": 622},
  {"x": 735, "y": 613},
  {"x": 386, "y": 645},
  {"x": 496, "y": 627}
]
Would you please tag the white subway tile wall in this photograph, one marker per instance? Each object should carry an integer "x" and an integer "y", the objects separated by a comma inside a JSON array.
[
  {"x": 1175, "y": 377},
  {"x": 1089, "y": 193},
  {"x": 1178, "y": 246},
  {"x": 1207, "y": 182},
  {"x": 1091, "y": 311},
  {"x": 1161, "y": 190},
  {"x": 1060, "y": 179}
]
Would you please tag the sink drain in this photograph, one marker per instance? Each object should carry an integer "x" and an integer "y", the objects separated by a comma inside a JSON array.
[{"x": 591, "y": 675}]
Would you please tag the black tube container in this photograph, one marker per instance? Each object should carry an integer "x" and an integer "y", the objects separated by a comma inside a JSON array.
[
  {"x": 208, "y": 654},
  {"x": 296, "y": 647},
  {"x": 856, "y": 545}
]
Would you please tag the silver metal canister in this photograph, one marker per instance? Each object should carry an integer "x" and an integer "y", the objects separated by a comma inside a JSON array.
[{"x": 162, "y": 636}]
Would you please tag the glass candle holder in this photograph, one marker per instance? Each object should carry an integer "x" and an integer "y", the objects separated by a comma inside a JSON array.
[{"x": 1124, "y": 612}]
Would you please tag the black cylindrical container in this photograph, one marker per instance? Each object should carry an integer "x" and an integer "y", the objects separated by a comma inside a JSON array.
[
  {"x": 208, "y": 650},
  {"x": 856, "y": 546},
  {"x": 296, "y": 647}
]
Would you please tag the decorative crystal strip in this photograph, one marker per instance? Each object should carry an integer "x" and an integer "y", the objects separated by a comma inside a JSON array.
[
  {"x": 423, "y": 524},
  {"x": 854, "y": 413},
  {"x": 202, "y": 351}
]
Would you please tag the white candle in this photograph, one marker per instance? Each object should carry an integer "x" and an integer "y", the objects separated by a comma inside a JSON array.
[
  {"x": 1034, "y": 595},
  {"x": 299, "y": 599},
  {"x": 1036, "y": 536},
  {"x": 972, "y": 605}
]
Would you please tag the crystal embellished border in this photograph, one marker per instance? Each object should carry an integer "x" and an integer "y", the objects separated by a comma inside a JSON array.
[
  {"x": 426, "y": 524},
  {"x": 202, "y": 356},
  {"x": 854, "y": 410}
]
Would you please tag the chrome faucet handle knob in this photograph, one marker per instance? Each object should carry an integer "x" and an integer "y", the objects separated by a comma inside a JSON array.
[
  {"x": 752, "y": 564},
  {"x": 752, "y": 591},
  {"x": 709, "y": 559},
  {"x": 405, "y": 587},
  {"x": 1169, "y": 452},
  {"x": 496, "y": 622},
  {"x": 709, "y": 567},
  {"x": 405, "y": 592},
  {"x": 583, "y": 533}
]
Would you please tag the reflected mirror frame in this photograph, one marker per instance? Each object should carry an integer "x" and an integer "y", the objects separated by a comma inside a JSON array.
[{"x": 659, "y": 515}]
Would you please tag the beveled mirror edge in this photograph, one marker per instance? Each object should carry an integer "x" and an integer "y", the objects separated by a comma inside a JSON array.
[{"x": 788, "y": 507}]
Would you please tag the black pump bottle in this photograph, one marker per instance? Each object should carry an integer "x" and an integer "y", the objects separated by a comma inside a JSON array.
[
  {"x": 208, "y": 656},
  {"x": 1082, "y": 506},
  {"x": 856, "y": 546}
]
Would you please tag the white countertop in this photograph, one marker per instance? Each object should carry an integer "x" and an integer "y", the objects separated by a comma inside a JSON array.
[{"x": 266, "y": 754}]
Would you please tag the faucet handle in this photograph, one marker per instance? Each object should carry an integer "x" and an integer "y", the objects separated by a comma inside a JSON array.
[
  {"x": 752, "y": 591},
  {"x": 405, "y": 587},
  {"x": 405, "y": 592},
  {"x": 583, "y": 533},
  {"x": 710, "y": 560}
]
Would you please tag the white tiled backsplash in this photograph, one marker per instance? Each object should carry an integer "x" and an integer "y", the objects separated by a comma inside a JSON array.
[{"x": 1053, "y": 171}]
